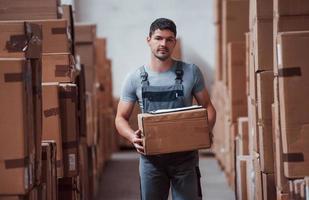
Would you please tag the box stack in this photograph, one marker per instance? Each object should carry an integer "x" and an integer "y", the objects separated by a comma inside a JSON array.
[
  {"x": 271, "y": 144},
  {"x": 53, "y": 147},
  {"x": 229, "y": 93},
  {"x": 98, "y": 139}
]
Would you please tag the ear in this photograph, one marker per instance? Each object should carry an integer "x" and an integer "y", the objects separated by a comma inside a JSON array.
[{"x": 148, "y": 39}]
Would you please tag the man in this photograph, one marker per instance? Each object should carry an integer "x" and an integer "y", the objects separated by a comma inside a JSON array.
[{"x": 164, "y": 83}]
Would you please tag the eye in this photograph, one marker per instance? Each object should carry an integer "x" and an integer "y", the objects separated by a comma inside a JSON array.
[{"x": 158, "y": 38}]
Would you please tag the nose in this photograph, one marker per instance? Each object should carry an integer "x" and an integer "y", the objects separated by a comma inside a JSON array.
[{"x": 163, "y": 42}]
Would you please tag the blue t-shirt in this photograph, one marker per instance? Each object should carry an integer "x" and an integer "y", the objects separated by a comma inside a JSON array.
[{"x": 193, "y": 82}]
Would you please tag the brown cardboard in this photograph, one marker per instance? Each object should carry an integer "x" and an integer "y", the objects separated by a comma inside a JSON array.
[
  {"x": 241, "y": 177},
  {"x": 258, "y": 179},
  {"x": 263, "y": 48},
  {"x": 57, "y": 67},
  {"x": 265, "y": 97},
  {"x": 177, "y": 54},
  {"x": 28, "y": 10},
  {"x": 55, "y": 38},
  {"x": 218, "y": 28},
  {"x": 49, "y": 173},
  {"x": 51, "y": 120},
  {"x": 235, "y": 18},
  {"x": 263, "y": 9},
  {"x": 269, "y": 187},
  {"x": 175, "y": 131},
  {"x": 89, "y": 120},
  {"x": 84, "y": 169},
  {"x": 69, "y": 128},
  {"x": 67, "y": 14},
  {"x": 85, "y": 33},
  {"x": 87, "y": 58},
  {"x": 17, "y": 142},
  {"x": 237, "y": 80},
  {"x": 68, "y": 188},
  {"x": 291, "y": 7},
  {"x": 243, "y": 133},
  {"x": 281, "y": 180},
  {"x": 250, "y": 177},
  {"x": 293, "y": 73}
]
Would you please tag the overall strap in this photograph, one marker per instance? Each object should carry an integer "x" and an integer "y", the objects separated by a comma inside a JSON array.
[
  {"x": 179, "y": 73},
  {"x": 144, "y": 76}
]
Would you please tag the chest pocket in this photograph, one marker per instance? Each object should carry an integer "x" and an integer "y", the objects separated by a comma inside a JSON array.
[{"x": 162, "y": 97}]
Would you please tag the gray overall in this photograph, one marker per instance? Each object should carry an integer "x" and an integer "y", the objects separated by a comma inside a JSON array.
[{"x": 180, "y": 170}]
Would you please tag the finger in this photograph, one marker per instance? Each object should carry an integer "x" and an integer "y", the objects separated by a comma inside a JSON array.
[
  {"x": 137, "y": 140},
  {"x": 137, "y": 146},
  {"x": 138, "y": 132}
]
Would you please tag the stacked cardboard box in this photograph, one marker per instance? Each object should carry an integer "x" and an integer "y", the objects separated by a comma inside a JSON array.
[
  {"x": 278, "y": 146},
  {"x": 20, "y": 80}
]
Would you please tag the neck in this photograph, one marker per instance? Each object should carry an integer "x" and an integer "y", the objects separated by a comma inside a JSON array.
[{"x": 158, "y": 65}]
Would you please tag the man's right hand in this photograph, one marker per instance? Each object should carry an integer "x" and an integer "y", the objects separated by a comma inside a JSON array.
[{"x": 137, "y": 141}]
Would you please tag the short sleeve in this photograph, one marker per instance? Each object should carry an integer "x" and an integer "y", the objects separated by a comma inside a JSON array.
[
  {"x": 199, "y": 83},
  {"x": 128, "y": 90}
]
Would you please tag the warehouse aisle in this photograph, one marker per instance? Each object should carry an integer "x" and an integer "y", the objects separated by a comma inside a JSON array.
[{"x": 120, "y": 180}]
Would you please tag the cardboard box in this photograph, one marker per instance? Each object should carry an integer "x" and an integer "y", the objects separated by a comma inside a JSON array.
[
  {"x": 17, "y": 141},
  {"x": 28, "y": 10},
  {"x": 67, "y": 14},
  {"x": 269, "y": 186},
  {"x": 263, "y": 48},
  {"x": 85, "y": 33},
  {"x": 291, "y": 7},
  {"x": 51, "y": 120},
  {"x": 250, "y": 178},
  {"x": 175, "y": 131},
  {"x": 80, "y": 81},
  {"x": 84, "y": 169},
  {"x": 241, "y": 177},
  {"x": 58, "y": 67},
  {"x": 258, "y": 178},
  {"x": 293, "y": 73},
  {"x": 262, "y": 9},
  {"x": 87, "y": 59},
  {"x": 235, "y": 18},
  {"x": 265, "y": 97},
  {"x": 177, "y": 50},
  {"x": 55, "y": 38},
  {"x": 281, "y": 181},
  {"x": 243, "y": 134},
  {"x": 69, "y": 128},
  {"x": 237, "y": 80},
  {"x": 49, "y": 169},
  {"x": 68, "y": 188}
]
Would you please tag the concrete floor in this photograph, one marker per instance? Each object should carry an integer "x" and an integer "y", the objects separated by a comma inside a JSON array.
[{"x": 120, "y": 179}]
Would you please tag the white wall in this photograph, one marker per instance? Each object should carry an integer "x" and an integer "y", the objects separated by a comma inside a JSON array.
[{"x": 125, "y": 24}]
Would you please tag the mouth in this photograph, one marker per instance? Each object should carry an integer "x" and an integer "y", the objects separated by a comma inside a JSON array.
[{"x": 163, "y": 50}]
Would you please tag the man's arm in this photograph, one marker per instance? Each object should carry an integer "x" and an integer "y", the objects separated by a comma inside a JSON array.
[
  {"x": 203, "y": 99},
  {"x": 124, "y": 111}
]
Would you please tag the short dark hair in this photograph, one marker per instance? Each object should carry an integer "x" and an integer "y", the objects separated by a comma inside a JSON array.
[{"x": 162, "y": 24}]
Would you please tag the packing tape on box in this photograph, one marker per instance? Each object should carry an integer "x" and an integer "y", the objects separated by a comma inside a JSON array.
[
  {"x": 16, "y": 163},
  {"x": 293, "y": 157},
  {"x": 63, "y": 70},
  {"x": 56, "y": 31},
  {"x": 50, "y": 112},
  {"x": 17, "y": 43},
  {"x": 13, "y": 77},
  {"x": 289, "y": 72},
  {"x": 70, "y": 145}
]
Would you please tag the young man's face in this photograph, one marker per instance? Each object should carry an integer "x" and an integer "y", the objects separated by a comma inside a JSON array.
[{"x": 162, "y": 43}]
